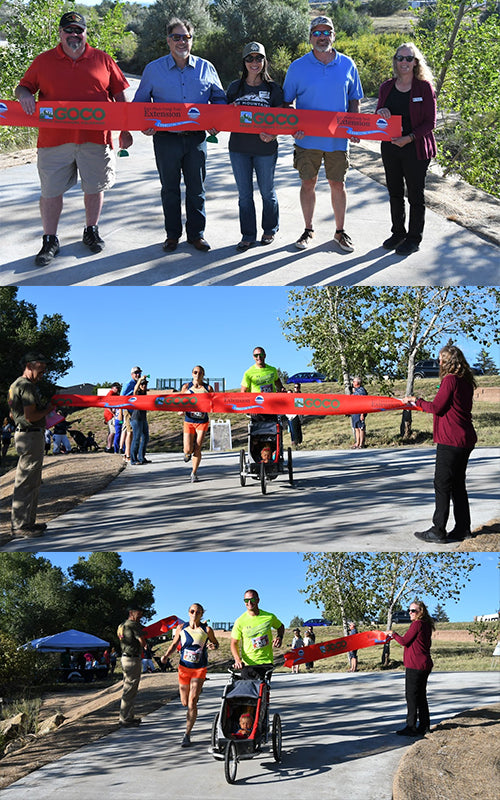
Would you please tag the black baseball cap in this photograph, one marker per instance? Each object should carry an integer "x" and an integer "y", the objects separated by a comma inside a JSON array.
[{"x": 73, "y": 18}]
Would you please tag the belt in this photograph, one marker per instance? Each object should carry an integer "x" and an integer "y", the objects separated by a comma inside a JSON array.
[{"x": 27, "y": 430}]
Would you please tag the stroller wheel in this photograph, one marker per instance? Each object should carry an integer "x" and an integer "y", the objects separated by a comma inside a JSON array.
[
  {"x": 230, "y": 762},
  {"x": 277, "y": 738},
  {"x": 263, "y": 478},
  {"x": 213, "y": 735},
  {"x": 243, "y": 476}
]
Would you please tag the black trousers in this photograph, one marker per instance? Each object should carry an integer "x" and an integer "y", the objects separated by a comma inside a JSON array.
[
  {"x": 449, "y": 485},
  {"x": 403, "y": 167},
  {"x": 416, "y": 698}
]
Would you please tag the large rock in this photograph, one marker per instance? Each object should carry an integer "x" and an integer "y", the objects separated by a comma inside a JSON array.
[
  {"x": 50, "y": 724},
  {"x": 14, "y": 726}
]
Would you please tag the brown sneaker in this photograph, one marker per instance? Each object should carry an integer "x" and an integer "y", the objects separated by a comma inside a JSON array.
[{"x": 344, "y": 241}]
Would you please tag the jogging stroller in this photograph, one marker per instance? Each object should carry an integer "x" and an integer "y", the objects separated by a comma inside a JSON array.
[
  {"x": 265, "y": 460},
  {"x": 249, "y": 698}
]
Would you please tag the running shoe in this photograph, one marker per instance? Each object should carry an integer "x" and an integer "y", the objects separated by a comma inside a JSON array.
[
  {"x": 186, "y": 741},
  {"x": 194, "y": 478},
  {"x": 187, "y": 457}
]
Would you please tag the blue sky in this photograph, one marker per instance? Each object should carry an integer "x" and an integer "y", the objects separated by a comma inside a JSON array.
[
  {"x": 166, "y": 330},
  {"x": 219, "y": 580}
]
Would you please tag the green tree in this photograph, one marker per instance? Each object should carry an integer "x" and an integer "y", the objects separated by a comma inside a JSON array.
[
  {"x": 461, "y": 42},
  {"x": 335, "y": 582},
  {"x": 373, "y": 585},
  {"x": 33, "y": 597},
  {"x": 439, "y": 614},
  {"x": 100, "y": 591},
  {"x": 337, "y": 323},
  {"x": 486, "y": 363},
  {"x": 296, "y": 622},
  {"x": 350, "y": 17},
  {"x": 20, "y": 332}
]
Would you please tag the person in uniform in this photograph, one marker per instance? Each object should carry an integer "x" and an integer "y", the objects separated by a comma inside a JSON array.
[
  {"x": 28, "y": 410},
  {"x": 132, "y": 642}
]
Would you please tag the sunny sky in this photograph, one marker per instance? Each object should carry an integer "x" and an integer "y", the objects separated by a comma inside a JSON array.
[
  {"x": 219, "y": 580},
  {"x": 166, "y": 330}
]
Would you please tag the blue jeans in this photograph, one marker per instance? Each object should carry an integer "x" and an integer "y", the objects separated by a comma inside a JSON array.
[
  {"x": 140, "y": 438},
  {"x": 243, "y": 165},
  {"x": 178, "y": 154}
]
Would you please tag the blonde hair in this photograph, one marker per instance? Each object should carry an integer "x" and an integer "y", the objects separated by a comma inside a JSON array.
[
  {"x": 453, "y": 362},
  {"x": 421, "y": 69}
]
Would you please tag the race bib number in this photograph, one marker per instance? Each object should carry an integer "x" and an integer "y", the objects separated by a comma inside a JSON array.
[
  {"x": 192, "y": 656},
  {"x": 267, "y": 387},
  {"x": 260, "y": 641}
]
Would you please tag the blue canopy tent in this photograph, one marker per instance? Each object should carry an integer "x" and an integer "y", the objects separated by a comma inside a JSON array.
[{"x": 72, "y": 640}]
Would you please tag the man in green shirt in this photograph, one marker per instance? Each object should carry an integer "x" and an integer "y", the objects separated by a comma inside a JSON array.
[
  {"x": 132, "y": 643},
  {"x": 252, "y": 631},
  {"x": 28, "y": 411},
  {"x": 261, "y": 377}
]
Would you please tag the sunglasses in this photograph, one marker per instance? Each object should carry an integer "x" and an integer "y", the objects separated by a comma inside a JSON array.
[
  {"x": 412, "y": 610},
  {"x": 194, "y": 611},
  {"x": 258, "y": 57},
  {"x": 177, "y": 37},
  {"x": 405, "y": 58},
  {"x": 317, "y": 34},
  {"x": 259, "y": 355},
  {"x": 252, "y": 600},
  {"x": 70, "y": 29}
]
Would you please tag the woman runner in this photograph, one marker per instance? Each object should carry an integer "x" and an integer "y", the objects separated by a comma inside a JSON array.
[{"x": 194, "y": 637}]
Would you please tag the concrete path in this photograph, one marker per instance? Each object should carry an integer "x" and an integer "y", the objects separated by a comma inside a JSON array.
[
  {"x": 341, "y": 500},
  {"x": 132, "y": 226},
  {"x": 338, "y": 742}
]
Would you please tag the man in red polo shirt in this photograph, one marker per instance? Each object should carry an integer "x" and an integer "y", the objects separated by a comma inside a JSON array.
[{"x": 73, "y": 71}]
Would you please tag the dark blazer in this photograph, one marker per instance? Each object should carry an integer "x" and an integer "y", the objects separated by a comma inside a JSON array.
[{"x": 422, "y": 114}]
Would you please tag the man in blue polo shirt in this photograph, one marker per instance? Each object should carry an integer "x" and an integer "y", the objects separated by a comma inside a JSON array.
[
  {"x": 180, "y": 77},
  {"x": 325, "y": 80}
]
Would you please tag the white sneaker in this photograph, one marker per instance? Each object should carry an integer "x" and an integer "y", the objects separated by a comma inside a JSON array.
[
  {"x": 194, "y": 478},
  {"x": 344, "y": 241}
]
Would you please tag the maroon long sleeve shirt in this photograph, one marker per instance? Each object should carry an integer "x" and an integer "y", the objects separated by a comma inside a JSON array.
[
  {"x": 417, "y": 645},
  {"x": 452, "y": 407}
]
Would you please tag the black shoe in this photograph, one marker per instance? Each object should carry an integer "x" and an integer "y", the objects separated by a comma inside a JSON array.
[
  {"x": 406, "y": 248},
  {"x": 50, "y": 248},
  {"x": 186, "y": 740},
  {"x": 131, "y": 723},
  {"x": 408, "y": 732},
  {"x": 432, "y": 536},
  {"x": 393, "y": 241},
  {"x": 92, "y": 239},
  {"x": 169, "y": 245},
  {"x": 422, "y": 731},
  {"x": 459, "y": 536}
]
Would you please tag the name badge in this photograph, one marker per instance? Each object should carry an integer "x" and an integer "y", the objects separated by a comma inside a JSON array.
[{"x": 418, "y": 99}]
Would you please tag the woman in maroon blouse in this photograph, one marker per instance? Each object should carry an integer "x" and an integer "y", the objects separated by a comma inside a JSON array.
[
  {"x": 408, "y": 93},
  {"x": 455, "y": 437},
  {"x": 418, "y": 663}
]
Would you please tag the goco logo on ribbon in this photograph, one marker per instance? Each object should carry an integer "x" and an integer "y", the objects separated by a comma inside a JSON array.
[
  {"x": 267, "y": 118},
  {"x": 316, "y": 402},
  {"x": 79, "y": 114},
  {"x": 187, "y": 400}
]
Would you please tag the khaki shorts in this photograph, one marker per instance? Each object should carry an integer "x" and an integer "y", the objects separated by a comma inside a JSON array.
[
  {"x": 127, "y": 420},
  {"x": 308, "y": 163},
  {"x": 58, "y": 168}
]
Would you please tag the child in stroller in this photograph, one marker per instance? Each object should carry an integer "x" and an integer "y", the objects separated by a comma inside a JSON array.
[{"x": 84, "y": 443}]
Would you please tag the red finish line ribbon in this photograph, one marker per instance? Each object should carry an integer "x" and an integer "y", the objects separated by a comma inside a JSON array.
[
  {"x": 239, "y": 403},
  {"x": 178, "y": 117},
  {"x": 334, "y": 647}
]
